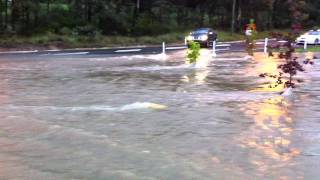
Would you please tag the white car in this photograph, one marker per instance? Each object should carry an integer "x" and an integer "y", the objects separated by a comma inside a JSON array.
[{"x": 311, "y": 37}]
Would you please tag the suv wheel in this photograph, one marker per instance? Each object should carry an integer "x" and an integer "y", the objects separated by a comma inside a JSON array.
[{"x": 208, "y": 44}]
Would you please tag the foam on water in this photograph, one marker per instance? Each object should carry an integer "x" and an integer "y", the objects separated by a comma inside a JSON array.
[
  {"x": 231, "y": 59},
  {"x": 156, "y": 57},
  {"x": 157, "y": 68},
  {"x": 133, "y": 106},
  {"x": 287, "y": 92},
  {"x": 238, "y": 96},
  {"x": 143, "y": 105}
]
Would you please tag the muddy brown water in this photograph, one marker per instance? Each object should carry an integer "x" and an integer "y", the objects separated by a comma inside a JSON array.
[{"x": 142, "y": 117}]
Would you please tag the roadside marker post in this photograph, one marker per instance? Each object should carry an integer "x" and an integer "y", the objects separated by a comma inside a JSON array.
[
  {"x": 214, "y": 54},
  {"x": 305, "y": 45},
  {"x": 163, "y": 48},
  {"x": 185, "y": 41},
  {"x": 265, "y": 50}
]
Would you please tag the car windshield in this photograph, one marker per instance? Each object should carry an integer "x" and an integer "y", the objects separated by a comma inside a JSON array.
[
  {"x": 314, "y": 33},
  {"x": 200, "y": 31}
]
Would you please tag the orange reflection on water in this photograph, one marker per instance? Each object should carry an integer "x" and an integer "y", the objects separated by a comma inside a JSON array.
[
  {"x": 266, "y": 65},
  {"x": 271, "y": 132},
  {"x": 309, "y": 55}
]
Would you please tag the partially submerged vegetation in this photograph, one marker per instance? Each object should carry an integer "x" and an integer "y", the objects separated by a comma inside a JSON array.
[{"x": 193, "y": 52}]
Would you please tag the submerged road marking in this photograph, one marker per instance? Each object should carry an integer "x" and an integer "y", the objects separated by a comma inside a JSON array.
[
  {"x": 127, "y": 50},
  {"x": 18, "y": 52},
  {"x": 65, "y": 54},
  {"x": 177, "y": 47},
  {"x": 260, "y": 43},
  {"x": 53, "y": 50},
  {"x": 223, "y": 45}
]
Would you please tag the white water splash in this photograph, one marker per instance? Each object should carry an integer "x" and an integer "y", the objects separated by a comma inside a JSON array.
[
  {"x": 142, "y": 105},
  {"x": 156, "y": 57},
  {"x": 156, "y": 68},
  {"x": 248, "y": 57},
  {"x": 128, "y": 107},
  {"x": 287, "y": 92},
  {"x": 204, "y": 60},
  {"x": 231, "y": 59}
]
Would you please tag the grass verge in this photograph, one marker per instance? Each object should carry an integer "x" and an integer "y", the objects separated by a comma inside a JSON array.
[
  {"x": 309, "y": 49},
  {"x": 55, "y": 41}
]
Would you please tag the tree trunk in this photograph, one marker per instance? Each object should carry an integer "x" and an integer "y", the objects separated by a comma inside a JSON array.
[
  {"x": 179, "y": 16},
  {"x": 5, "y": 14},
  {"x": 239, "y": 18},
  {"x": 233, "y": 15},
  {"x": 136, "y": 14},
  {"x": 202, "y": 14},
  {"x": 36, "y": 14},
  {"x": 271, "y": 14},
  {"x": 48, "y": 7},
  {"x": 138, "y": 5},
  {"x": 14, "y": 14},
  {"x": 89, "y": 11},
  {"x": 1, "y": 15},
  {"x": 27, "y": 20}
]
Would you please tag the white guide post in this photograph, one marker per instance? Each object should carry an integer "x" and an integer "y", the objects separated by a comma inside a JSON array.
[
  {"x": 163, "y": 48},
  {"x": 214, "y": 43},
  {"x": 265, "y": 49},
  {"x": 305, "y": 45}
]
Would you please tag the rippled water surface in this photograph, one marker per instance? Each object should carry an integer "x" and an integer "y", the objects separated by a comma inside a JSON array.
[{"x": 144, "y": 117}]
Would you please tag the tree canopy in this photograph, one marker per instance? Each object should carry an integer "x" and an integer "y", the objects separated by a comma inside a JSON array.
[{"x": 150, "y": 17}]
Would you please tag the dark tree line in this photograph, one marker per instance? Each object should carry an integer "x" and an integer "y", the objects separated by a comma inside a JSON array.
[{"x": 148, "y": 17}]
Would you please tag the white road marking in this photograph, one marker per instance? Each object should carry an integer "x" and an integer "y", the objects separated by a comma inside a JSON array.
[
  {"x": 53, "y": 50},
  {"x": 232, "y": 42},
  {"x": 282, "y": 41},
  {"x": 180, "y": 47},
  {"x": 65, "y": 54},
  {"x": 259, "y": 43},
  {"x": 127, "y": 50},
  {"x": 18, "y": 52},
  {"x": 223, "y": 45}
]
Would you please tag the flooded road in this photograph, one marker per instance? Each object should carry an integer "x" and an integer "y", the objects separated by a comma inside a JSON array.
[{"x": 145, "y": 117}]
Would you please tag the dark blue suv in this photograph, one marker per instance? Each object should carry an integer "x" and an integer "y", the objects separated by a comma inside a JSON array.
[{"x": 203, "y": 36}]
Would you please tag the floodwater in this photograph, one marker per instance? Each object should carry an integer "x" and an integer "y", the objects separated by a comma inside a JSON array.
[{"x": 146, "y": 117}]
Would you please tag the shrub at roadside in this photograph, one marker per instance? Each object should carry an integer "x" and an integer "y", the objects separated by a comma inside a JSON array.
[{"x": 193, "y": 52}]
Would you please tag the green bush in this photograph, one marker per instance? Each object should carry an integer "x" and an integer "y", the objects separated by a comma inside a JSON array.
[{"x": 193, "y": 52}]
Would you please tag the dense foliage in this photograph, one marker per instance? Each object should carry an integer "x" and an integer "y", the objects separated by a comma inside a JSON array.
[
  {"x": 147, "y": 17},
  {"x": 193, "y": 52}
]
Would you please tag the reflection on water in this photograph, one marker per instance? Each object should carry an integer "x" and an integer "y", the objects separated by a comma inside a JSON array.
[
  {"x": 201, "y": 70},
  {"x": 267, "y": 65},
  {"x": 198, "y": 77},
  {"x": 271, "y": 134}
]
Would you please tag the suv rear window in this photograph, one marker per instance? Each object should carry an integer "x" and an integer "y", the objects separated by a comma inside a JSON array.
[
  {"x": 201, "y": 31},
  {"x": 314, "y": 33}
]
